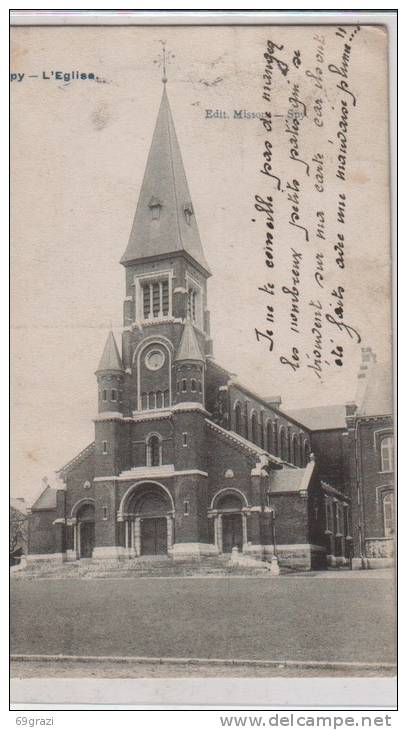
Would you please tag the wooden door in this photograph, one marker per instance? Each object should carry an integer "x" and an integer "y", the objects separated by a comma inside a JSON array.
[
  {"x": 232, "y": 532},
  {"x": 154, "y": 536},
  {"x": 87, "y": 539}
]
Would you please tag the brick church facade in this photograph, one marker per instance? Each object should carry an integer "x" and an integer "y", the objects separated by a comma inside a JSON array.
[{"x": 186, "y": 461}]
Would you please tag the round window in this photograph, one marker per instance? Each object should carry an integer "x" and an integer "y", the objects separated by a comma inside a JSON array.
[{"x": 155, "y": 359}]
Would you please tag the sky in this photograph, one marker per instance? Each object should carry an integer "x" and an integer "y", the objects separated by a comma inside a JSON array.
[{"x": 78, "y": 156}]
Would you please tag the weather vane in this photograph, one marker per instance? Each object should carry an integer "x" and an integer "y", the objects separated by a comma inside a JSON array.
[{"x": 163, "y": 60}]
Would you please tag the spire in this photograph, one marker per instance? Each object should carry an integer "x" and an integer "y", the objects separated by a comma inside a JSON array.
[
  {"x": 189, "y": 348},
  {"x": 110, "y": 359},
  {"x": 164, "y": 222}
]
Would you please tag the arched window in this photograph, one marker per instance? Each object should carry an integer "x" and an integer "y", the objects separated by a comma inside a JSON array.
[
  {"x": 388, "y": 514},
  {"x": 254, "y": 428},
  {"x": 192, "y": 304},
  {"x": 153, "y": 450},
  {"x": 238, "y": 418},
  {"x": 307, "y": 452},
  {"x": 269, "y": 437},
  {"x": 159, "y": 399},
  {"x": 193, "y": 385},
  {"x": 144, "y": 402},
  {"x": 151, "y": 400},
  {"x": 294, "y": 451},
  {"x": 282, "y": 447},
  {"x": 166, "y": 398},
  {"x": 386, "y": 454}
]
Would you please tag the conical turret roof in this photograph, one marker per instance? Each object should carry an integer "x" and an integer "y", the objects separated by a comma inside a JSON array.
[
  {"x": 110, "y": 359},
  {"x": 165, "y": 220},
  {"x": 189, "y": 347}
]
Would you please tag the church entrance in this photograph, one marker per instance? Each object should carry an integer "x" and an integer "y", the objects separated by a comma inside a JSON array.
[
  {"x": 149, "y": 523},
  {"x": 230, "y": 528},
  {"x": 232, "y": 532},
  {"x": 154, "y": 536},
  {"x": 85, "y": 530},
  {"x": 87, "y": 539}
]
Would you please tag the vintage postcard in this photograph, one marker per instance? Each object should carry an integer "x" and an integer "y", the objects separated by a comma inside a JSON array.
[{"x": 203, "y": 441}]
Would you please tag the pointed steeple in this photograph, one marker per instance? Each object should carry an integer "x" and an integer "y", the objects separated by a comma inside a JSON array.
[
  {"x": 189, "y": 347},
  {"x": 110, "y": 359},
  {"x": 164, "y": 222}
]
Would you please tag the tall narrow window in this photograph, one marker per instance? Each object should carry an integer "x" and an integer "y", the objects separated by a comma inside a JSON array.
[
  {"x": 185, "y": 439},
  {"x": 238, "y": 418},
  {"x": 193, "y": 385},
  {"x": 156, "y": 298},
  {"x": 113, "y": 395},
  {"x": 153, "y": 451},
  {"x": 165, "y": 297},
  {"x": 151, "y": 400},
  {"x": 386, "y": 453},
  {"x": 159, "y": 399},
  {"x": 146, "y": 301},
  {"x": 105, "y": 395},
  {"x": 269, "y": 437},
  {"x": 104, "y": 447},
  {"x": 192, "y": 304},
  {"x": 184, "y": 386},
  {"x": 254, "y": 428},
  {"x": 388, "y": 514}
]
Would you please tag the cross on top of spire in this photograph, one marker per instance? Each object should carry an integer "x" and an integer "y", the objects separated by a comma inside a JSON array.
[{"x": 163, "y": 60}]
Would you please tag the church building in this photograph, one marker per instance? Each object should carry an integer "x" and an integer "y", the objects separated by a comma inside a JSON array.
[{"x": 187, "y": 462}]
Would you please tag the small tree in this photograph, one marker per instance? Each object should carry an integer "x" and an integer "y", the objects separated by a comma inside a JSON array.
[{"x": 18, "y": 530}]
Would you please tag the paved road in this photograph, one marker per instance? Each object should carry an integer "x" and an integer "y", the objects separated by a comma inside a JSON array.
[{"x": 336, "y": 617}]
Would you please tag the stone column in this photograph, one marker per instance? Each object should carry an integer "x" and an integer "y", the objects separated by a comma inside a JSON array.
[
  {"x": 170, "y": 532},
  {"x": 244, "y": 530},
  {"x": 218, "y": 532},
  {"x": 75, "y": 537},
  {"x": 137, "y": 536}
]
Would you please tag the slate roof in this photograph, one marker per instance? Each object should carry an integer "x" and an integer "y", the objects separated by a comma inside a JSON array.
[
  {"x": 288, "y": 480},
  {"x": 189, "y": 347},
  {"x": 164, "y": 221},
  {"x": 46, "y": 500},
  {"x": 319, "y": 418},
  {"x": 110, "y": 359}
]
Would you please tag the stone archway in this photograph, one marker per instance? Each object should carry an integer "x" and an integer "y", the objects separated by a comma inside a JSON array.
[
  {"x": 149, "y": 520},
  {"x": 230, "y": 522}
]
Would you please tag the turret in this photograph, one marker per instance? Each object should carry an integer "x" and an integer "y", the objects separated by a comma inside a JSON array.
[
  {"x": 110, "y": 377},
  {"x": 189, "y": 369}
]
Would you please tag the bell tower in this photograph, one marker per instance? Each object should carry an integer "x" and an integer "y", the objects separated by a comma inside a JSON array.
[{"x": 166, "y": 278}]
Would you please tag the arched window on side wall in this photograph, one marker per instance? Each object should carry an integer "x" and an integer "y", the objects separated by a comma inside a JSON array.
[
  {"x": 282, "y": 444},
  {"x": 238, "y": 418},
  {"x": 388, "y": 514},
  {"x": 153, "y": 450},
  {"x": 307, "y": 452},
  {"x": 295, "y": 451},
  {"x": 386, "y": 454},
  {"x": 255, "y": 428},
  {"x": 269, "y": 437}
]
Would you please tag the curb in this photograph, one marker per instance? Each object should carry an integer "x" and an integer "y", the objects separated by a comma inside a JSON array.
[{"x": 202, "y": 661}]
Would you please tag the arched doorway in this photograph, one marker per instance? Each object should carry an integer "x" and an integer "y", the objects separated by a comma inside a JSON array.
[
  {"x": 231, "y": 522},
  {"x": 85, "y": 530},
  {"x": 150, "y": 520}
]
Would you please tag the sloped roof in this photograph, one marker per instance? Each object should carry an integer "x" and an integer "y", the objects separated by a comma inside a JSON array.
[
  {"x": 287, "y": 480},
  {"x": 46, "y": 500},
  {"x": 164, "y": 221},
  {"x": 319, "y": 418},
  {"x": 376, "y": 399},
  {"x": 89, "y": 449},
  {"x": 110, "y": 359},
  {"x": 189, "y": 346},
  {"x": 240, "y": 440}
]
